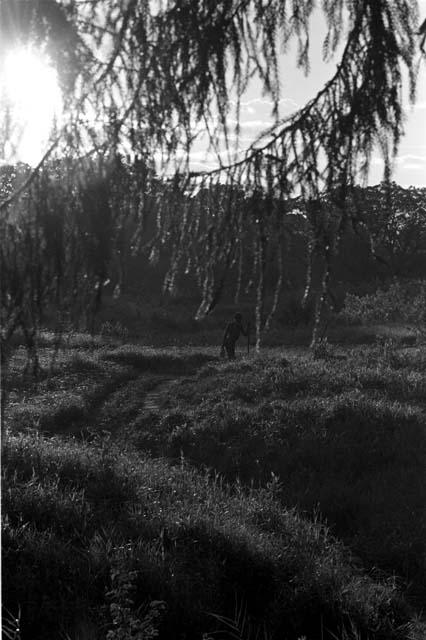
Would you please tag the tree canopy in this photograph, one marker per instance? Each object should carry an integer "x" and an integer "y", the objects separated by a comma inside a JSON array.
[
  {"x": 142, "y": 78},
  {"x": 151, "y": 72}
]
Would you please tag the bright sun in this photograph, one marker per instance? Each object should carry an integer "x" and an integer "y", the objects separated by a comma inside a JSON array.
[{"x": 29, "y": 88}]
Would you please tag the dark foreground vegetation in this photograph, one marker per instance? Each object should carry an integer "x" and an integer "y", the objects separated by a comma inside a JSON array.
[
  {"x": 274, "y": 497},
  {"x": 278, "y": 498}
]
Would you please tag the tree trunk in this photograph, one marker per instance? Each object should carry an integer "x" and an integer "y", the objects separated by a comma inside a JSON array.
[{"x": 317, "y": 333}]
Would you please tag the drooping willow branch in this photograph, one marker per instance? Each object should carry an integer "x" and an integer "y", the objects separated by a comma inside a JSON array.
[
  {"x": 144, "y": 81},
  {"x": 317, "y": 154}
]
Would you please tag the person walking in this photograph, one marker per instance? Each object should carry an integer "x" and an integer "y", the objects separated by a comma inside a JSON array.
[{"x": 232, "y": 332}]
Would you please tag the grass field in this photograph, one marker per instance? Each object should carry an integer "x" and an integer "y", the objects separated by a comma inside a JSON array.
[{"x": 274, "y": 497}]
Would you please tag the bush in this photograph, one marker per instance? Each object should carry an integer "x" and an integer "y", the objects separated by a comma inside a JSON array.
[
  {"x": 114, "y": 329},
  {"x": 401, "y": 302}
]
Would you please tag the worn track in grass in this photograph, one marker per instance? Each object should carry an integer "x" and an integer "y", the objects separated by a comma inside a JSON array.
[
  {"x": 134, "y": 397},
  {"x": 152, "y": 401}
]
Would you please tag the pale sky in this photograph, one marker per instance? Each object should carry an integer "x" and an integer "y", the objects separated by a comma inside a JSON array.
[
  {"x": 34, "y": 90},
  {"x": 410, "y": 163}
]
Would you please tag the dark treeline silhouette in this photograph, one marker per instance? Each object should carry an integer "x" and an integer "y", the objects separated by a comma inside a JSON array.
[
  {"x": 161, "y": 77},
  {"x": 75, "y": 236}
]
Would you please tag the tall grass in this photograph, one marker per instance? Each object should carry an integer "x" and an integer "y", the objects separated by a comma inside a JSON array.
[
  {"x": 346, "y": 437},
  {"x": 209, "y": 517},
  {"x": 80, "y": 387},
  {"x": 89, "y": 526}
]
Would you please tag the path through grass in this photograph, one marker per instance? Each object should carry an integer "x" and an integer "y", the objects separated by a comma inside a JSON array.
[{"x": 111, "y": 523}]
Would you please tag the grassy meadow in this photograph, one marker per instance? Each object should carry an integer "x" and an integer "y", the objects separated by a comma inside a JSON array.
[{"x": 274, "y": 497}]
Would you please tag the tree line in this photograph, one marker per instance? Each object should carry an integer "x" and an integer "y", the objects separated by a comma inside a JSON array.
[
  {"x": 73, "y": 237},
  {"x": 154, "y": 74}
]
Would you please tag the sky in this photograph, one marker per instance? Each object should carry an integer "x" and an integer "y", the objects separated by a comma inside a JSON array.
[
  {"x": 29, "y": 83},
  {"x": 33, "y": 86},
  {"x": 297, "y": 89}
]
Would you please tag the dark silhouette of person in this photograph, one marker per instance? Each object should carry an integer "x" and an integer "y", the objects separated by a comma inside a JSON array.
[{"x": 232, "y": 333}]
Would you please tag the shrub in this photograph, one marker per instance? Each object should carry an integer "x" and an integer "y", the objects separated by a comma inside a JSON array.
[
  {"x": 114, "y": 329},
  {"x": 401, "y": 302}
]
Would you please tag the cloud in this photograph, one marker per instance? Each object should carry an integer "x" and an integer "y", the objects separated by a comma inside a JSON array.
[
  {"x": 414, "y": 167},
  {"x": 417, "y": 106},
  {"x": 411, "y": 157},
  {"x": 201, "y": 166},
  {"x": 202, "y": 160},
  {"x": 283, "y": 102},
  {"x": 263, "y": 106},
  {"x": 253, "y": 125},
  {"x": 411, "y": 162},
  {"x": 405, "y": 161}
]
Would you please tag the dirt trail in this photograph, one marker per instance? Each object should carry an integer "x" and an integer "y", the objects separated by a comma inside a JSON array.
[
  {"x": 163, "y": 388},
  {"x": 138, "y": 395},
  {"x": 141, "y": 395}
]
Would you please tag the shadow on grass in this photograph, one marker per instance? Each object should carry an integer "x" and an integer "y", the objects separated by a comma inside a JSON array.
[
  {"x": 360, "y": 463},
  {"x": 214, "y": 571},
  {"x": 177, "y": 536},
  {"x": 67, "y": 411}
]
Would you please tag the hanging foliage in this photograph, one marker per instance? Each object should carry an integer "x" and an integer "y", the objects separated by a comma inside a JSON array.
[{"x": 144, "y": 79}]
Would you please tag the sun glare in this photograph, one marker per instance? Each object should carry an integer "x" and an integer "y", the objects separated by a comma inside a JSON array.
[{"x": 29, "y": 88}]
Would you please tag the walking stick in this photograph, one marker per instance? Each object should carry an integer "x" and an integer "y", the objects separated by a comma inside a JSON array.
[{"x": 248, "y": 338}]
